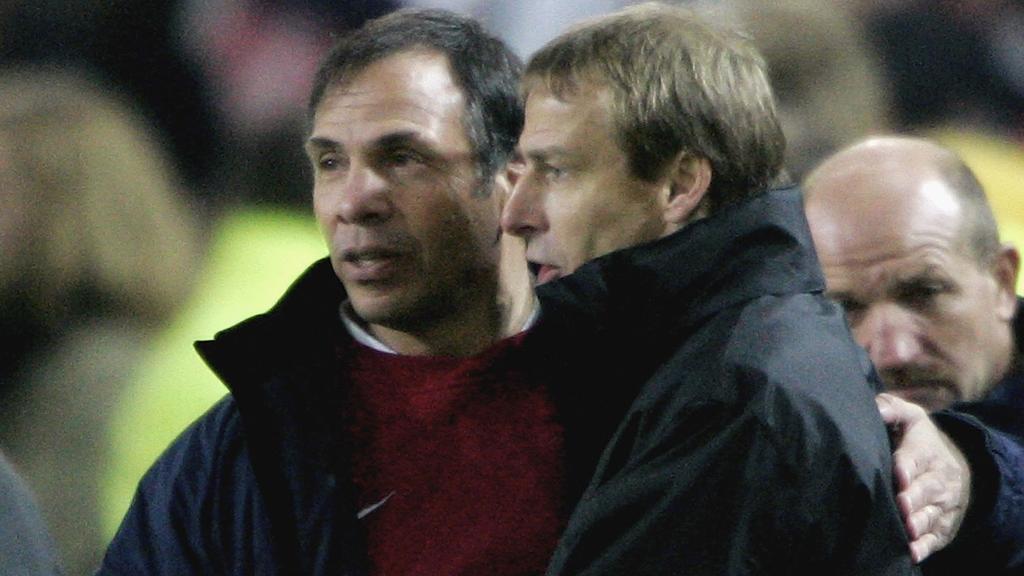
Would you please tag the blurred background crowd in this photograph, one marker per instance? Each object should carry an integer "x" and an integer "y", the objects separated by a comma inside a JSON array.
[{"x": 153, "y": 188}]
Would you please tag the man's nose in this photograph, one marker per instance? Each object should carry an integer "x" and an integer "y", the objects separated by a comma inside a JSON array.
[
  {"x": 523, "y": 214},
  {"x": 364, "y": 197},
  {"x": 891, "y": 336}
]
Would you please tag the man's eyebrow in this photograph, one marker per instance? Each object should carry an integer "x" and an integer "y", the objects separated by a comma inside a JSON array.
[
  {"x": 544, "y": 154},
  {"x": 390, "y": 140},
  {"x": 394, "y": 139},
  {"x": 929, "y": 272},
  {"x": 839, "y": 295},
  {"x": 314, "y": 143}
]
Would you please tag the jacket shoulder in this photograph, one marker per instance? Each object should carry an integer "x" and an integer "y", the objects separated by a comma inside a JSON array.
[
  {"x": 798, "y": 351},
  {"x": 197, "y": 509}
]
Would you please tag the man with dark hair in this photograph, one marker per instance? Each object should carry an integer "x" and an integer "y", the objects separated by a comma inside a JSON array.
[
  {"x": 910, "y": 248},
  {"x": 754, "y": 445},
  {"x": 392, "y": 422},
  {"x": 481, "y": 65}
]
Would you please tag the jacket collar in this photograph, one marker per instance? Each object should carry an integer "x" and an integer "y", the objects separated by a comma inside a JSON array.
[
  {"x": 280, "y": 367},
  {"x": 761, "y": 246},
  {"x": 303, "y": 325}
]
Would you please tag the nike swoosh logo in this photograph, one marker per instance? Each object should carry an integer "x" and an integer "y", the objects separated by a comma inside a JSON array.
[{"x": 372, "y": 507}]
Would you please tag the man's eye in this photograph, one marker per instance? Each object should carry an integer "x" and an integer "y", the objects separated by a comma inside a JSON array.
[
  {"x": 921, "y": 294},
  {"x": 851, "y": 307},
  {"x": 327, "y": 162},
  {"x": 403, "y": 157},
  {"x": 553, "y": 172}
]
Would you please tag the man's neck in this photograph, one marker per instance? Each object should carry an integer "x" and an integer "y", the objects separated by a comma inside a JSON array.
[
  {"x": 1010, "y": 360},
  {"x": 495, "y": 309}
]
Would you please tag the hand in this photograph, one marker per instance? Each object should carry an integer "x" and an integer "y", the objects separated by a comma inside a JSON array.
[{"x": 932, "y": 476}]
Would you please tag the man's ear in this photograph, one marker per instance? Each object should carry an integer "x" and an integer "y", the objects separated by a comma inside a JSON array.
[
  {"x": 501, "y": 187},
  {"x": 688, "y": 180},
  {"x": 1005, "y": 270}
]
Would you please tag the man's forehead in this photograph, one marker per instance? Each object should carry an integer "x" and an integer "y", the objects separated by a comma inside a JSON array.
[
  {"x": 871, "y": 234},
  {"x": 849, "y": 200},
  {"x": 416, "y": 79},
  {"x": 408, "y": 95},
  {"x": 875, "y": 252},
  {"x": 390, "y": 139},
  {"x": 552, "y": 119}
]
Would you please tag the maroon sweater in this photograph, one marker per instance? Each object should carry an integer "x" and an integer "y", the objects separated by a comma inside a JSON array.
[{"x": 458, "y": 462}]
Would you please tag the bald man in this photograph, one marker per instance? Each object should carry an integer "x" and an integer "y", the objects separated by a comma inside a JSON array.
[{"x": 910, "y": 248}]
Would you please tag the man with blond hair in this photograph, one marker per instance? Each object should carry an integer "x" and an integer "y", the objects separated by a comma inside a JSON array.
[{"x": 754, "y": 445}]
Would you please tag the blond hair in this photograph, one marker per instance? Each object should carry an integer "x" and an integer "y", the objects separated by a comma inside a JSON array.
[
  {"x": 101, "y": 215},
  {"x": 678, "y": 84}
]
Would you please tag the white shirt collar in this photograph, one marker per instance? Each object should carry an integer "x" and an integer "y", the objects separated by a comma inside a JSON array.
[{"x": 360, "y": 334}]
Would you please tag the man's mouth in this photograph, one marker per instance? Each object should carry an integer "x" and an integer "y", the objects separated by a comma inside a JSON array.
[
  {"x": 544, "y": 272},
  {"x": 929, "y": 388},
  {"x": 930, "y": 398},
  {"x": 372, "y": 264},
  {"x": 361, "y": 256}
]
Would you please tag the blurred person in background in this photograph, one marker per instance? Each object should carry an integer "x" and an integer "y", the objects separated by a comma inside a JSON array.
[
  {"x": 26, "y": 548},
  {"x": 97, "y": 248},
  {"x": 135, "y": 46},
  {"x": 951, "y": 62},
  {"x": 854, "y": 71},
  {"x": 828, "y": 81},
  {"x": 220, "y": 80},
  {"x": 846, "y": 76}
]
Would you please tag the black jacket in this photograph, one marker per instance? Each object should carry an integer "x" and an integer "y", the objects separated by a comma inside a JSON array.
[
  {"x": 755, "y": 446},
  {"x": 751, "y": 442}
]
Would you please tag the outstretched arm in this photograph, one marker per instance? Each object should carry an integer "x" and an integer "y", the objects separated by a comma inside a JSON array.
[
  {"x": 960, "y": 484},
  {"x": 932, "y": 477}
]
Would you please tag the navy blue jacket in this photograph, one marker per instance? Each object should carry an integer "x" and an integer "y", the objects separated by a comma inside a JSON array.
[
  {"x": 991, "y": 434},
  {"x": 260, "y": 484},
  {"x": 717, "y": 412}
]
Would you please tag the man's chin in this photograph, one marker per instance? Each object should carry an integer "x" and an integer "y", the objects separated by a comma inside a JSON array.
[{"x": 930, "y": 398}]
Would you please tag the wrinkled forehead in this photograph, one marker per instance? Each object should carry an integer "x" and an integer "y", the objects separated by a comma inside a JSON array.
[
  {"x": 589, "y": 106},
  {"x": 407, "y": 91}
]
